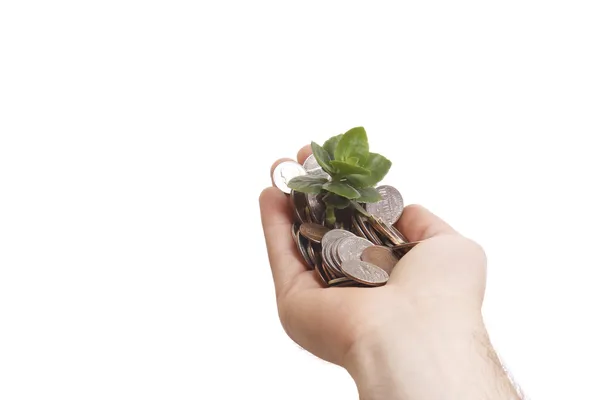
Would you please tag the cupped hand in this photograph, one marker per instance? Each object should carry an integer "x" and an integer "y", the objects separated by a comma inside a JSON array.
[{"x": 445, "y": 274}]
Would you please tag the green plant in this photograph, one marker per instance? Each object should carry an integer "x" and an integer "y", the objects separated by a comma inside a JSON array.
[{"x": 353, "y": 172}]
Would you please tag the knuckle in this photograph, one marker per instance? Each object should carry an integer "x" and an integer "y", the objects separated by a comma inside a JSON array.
[
  {"x": 459, "y": 247},
  {"x": 476, "y": 251},
  {"x": 476, "y": 247}
]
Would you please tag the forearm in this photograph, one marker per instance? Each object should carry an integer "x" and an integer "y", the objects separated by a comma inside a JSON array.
[{"x": 440, "y": 356}]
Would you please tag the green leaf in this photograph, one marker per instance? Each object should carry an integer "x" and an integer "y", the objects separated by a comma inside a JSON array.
[
  {"x": 307, "y": 183},
  {"x": 379, "y": 167},
  {"x": 331, "y": 144},
  {"x": 322, "y": 157},
  {"x": 344, "y": 168},
  {"x": 353, "y": 143},
  {"x": 368, "y": 195},
  {"x": 342, "y": 189},
  {"x": 352, "y": 160},
  {"x": 334, "y": 200}
]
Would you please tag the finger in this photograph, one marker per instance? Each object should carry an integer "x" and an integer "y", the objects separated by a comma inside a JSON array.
[
  {"x": 304, "y": 153},
  {"x": 418, "y": 223},
  {"x": 285, "y": 262},
  {"x": 447, "y": 265}
]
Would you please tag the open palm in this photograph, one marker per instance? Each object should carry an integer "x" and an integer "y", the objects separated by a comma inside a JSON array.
[{"x": 446, "y": 268}]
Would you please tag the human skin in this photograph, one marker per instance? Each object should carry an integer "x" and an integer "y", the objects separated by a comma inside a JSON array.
[{"x": 419, "y": 337}]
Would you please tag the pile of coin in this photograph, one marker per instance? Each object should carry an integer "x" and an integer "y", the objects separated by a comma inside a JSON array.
[{"x": 361, "y": 249}]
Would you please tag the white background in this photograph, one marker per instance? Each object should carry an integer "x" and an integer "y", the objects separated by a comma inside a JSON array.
[{"x": 136, "y": 136}]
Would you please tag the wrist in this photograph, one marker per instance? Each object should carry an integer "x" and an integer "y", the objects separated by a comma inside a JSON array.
[{"x": 437, "y": 352}]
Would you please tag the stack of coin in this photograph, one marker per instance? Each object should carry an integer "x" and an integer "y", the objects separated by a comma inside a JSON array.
[{"x": 361, "y": 249}]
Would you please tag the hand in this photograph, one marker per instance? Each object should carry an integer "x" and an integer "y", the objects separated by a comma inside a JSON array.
[
  {"x": 434, "y": 294},
  {"x": 445, "y": 269}
]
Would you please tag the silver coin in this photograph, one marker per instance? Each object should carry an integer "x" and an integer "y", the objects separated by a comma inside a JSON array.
[
  {"x": 302, "y": 245},
  {"x": 327, "y": 261},
  {"x": 312, "y": 167},
  {"x": 317, "y": 208},
  {"x": 321, "y": 274},
  {"x": 339, "y": 281},
  {"x": 404, "y": 248},
  {"x": 316, "y": 249},
  {"x": 295, "y": 229},
  {"x": 311, "y": 254},
  {"x": 334, "y": 234},
  {"x": 351, "y": 248},
  {"x": 333, "y": 255},
  {"x": 307, "y": 214},
  {"x": 385, "y": 230},
  {"x": 356, "y": 229},
  {"x": 328, "y": 258},
  {"x": 348, "y": 283},
  {"x": 368, "y": 230},
  {"x": 292, "y": 198},
  {"x": 398, "y": 233},
  {"x": 333, "y": 270},
  {"x": 298, "y": 200},
  {"x": 365, "y": 273},
  {"x": 329, "y": 270},
  {"x": 390, "y": 207},
  {"x": 284, "y": 172}
]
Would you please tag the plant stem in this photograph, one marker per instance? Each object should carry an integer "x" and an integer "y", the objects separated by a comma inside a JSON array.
[
  {"x": 330, "y": 215},
  {"x": 359, "y": 208}
]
